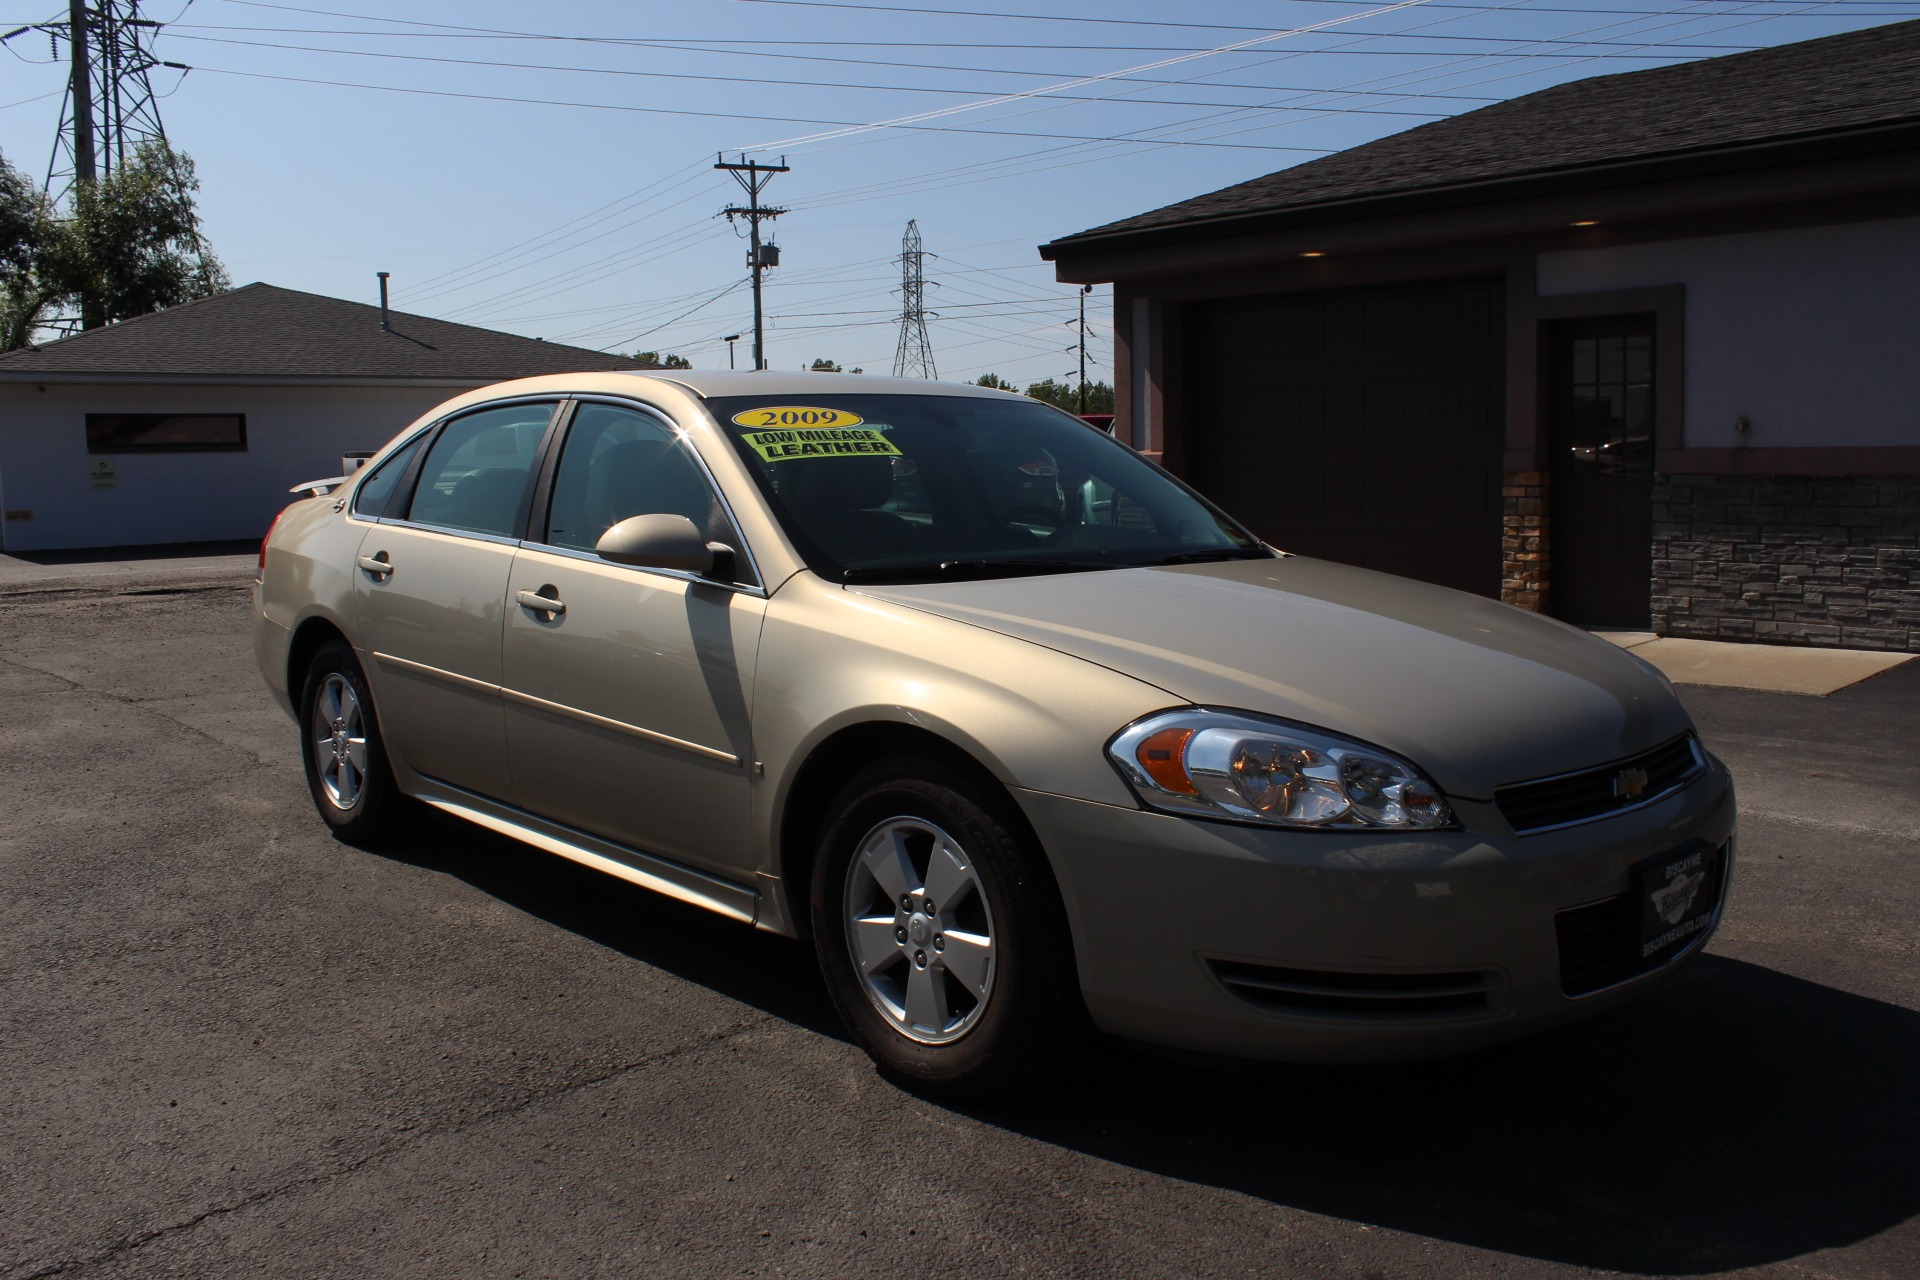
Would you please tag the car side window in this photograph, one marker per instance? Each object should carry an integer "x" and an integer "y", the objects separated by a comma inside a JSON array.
[
  {"x": 618, "y": 463},
  {"x": 477, "y": 471},
  {"x": 370, "y": 499}
]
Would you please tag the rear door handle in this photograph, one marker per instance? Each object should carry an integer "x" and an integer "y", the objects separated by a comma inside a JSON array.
[
  {"x": 541, "y": 603},
  {"x": 378, "y": 565}
]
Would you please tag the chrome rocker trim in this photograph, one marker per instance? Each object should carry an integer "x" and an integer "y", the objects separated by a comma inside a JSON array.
[{"x": 723, "y": 897}]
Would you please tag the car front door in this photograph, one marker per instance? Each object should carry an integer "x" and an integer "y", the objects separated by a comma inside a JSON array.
[
  {"x": 431, "y": 590},
  {"x": 627, "y": 690}
]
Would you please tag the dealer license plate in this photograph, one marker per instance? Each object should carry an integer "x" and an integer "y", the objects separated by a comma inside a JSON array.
[{"x": 1677, "y": 894}]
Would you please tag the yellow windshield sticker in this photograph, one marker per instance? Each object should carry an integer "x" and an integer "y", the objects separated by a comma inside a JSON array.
[
  {"x": 820, "y": 442},
  {"x": 796, "y": 415}
]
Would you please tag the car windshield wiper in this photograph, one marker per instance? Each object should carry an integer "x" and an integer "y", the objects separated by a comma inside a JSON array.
[
  {"x": 1206, "y": 557},
  {"x": 957, "y": 570}
]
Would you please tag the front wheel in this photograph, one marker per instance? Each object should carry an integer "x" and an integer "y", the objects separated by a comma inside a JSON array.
[
  {"x": 346, "y": 762},
  {"x": 941, "y": 935}
]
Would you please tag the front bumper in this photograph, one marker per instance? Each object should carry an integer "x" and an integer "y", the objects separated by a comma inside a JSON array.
[{"x": 1185, "y": 930}]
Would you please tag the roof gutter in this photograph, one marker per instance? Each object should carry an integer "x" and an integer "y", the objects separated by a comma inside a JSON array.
[{"x": 1804, "y": 148}]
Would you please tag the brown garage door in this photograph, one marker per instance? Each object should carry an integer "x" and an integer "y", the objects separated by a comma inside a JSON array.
[{"x": 1360, "y": 425}]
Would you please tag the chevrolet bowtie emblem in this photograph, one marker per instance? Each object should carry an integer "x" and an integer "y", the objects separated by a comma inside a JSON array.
[{"x": 1629, "y": 783}]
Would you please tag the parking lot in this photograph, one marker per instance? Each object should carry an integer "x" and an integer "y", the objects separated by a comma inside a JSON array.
[{"x": 236, "y": 1047}]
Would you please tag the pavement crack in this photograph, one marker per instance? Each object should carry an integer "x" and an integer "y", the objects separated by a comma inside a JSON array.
[
  {"x": 73, "y": 686},
  {"x": 138, "y": 704},
  {"x": 411, "y": 1139},
  {"x": 1824, "y": 822}
]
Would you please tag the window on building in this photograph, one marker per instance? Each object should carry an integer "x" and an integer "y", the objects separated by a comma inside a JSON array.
[
  {"x": 1607, "y": 389},
  {"x": 166, "y": 432}
]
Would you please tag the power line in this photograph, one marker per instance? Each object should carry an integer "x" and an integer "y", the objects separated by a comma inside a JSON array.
[
  {"x": 754, "y": 80},
  {"x": 709, "y": 115},
  {"x": 682, "y": 316}
]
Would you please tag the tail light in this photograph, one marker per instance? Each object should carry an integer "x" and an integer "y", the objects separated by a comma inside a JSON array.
[{"x": 260, "y": 572}]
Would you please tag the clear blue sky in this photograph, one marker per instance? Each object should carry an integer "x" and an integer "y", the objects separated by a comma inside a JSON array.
[{"x": 588, "y": 216}]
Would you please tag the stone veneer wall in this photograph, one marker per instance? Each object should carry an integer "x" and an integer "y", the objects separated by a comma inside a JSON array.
[
  {"x": 1807, "y": 560},
  {"x": 1523, "y": 541}
]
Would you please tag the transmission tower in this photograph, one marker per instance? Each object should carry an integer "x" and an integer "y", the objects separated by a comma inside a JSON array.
[
  {"x": 914, "y": 358},
  {"x": 109, "y": 108}
]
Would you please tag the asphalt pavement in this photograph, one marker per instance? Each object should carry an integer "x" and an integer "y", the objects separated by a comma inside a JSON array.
[{"x": 237, "y": 1047}]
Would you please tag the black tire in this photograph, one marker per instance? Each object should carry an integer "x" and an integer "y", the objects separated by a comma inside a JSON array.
[
  {"x": 372, "y": 807},
  {"x": 1031, "y": 1020}
]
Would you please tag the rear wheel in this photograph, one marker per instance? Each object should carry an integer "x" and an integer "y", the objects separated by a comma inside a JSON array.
[
  {"x": 941, "y": 934},
  {"x": 346, "y": 762}
]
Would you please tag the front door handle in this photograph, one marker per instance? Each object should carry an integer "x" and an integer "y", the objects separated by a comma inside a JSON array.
[
  {"x": 377, "y": 564},
  {"x": 540, "y": 602}
]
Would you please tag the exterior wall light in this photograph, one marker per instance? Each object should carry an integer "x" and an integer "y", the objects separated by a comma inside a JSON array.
[{"x": 1313, "y": 253}]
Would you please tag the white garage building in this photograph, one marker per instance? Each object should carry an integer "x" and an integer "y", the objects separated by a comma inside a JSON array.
[{"x": 190, "y": 424}]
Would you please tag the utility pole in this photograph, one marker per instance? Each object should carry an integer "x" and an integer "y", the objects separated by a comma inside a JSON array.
[
  {"x": 1085, "y": 289},
  {"x": 914, "y": 356},
  {"x": 753, "y": 178},
  {"x": 730, "y": 340}
]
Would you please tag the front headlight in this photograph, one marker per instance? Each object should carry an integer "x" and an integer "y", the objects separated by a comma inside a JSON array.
[{"x": 1223, "y": 764}]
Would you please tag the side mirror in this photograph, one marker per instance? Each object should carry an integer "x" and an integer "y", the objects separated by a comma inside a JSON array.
[{"x": 665, "y": 542}]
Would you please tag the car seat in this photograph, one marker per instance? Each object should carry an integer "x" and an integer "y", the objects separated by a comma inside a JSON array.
[{"x": 835, "y": 498}]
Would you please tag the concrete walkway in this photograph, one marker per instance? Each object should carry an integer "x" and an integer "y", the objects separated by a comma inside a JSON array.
[
  {"x": 103, "y": 568},
  {"x": 1766, "y": 667}
]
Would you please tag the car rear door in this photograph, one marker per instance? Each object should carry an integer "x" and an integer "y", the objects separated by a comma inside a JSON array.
[
  {"x": 430, "y": 593},
  {"x": 627, "y": 690}
]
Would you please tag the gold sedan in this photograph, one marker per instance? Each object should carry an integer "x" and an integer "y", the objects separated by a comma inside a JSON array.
[{"x": 1031, "y": 740}]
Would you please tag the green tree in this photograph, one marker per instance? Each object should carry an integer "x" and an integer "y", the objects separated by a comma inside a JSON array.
[
  {"x": 129, "y": 244},
  {"x": 825, "y": 366},
  {"x": 1066, "y": 395},
  {"x": 995, "y": 381},
  {"x": 671, "y": 362},
  {"x": 26, "y": 226},
  {"x": 132, "y": 242}
]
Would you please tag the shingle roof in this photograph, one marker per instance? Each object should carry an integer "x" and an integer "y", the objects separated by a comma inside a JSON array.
[
  {"x": 261, "y": 330},
  {"x": 1832, "y": 85}
]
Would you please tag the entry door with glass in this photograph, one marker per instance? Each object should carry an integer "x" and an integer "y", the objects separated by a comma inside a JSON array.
[{"x": 1601, "y": 400}]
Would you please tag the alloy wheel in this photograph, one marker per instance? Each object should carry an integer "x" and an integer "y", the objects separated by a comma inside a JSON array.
[
  {"x": 919, "y": 930},
  {"x": 339, "y": 741}
]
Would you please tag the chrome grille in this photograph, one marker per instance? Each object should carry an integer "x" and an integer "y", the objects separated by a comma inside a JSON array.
[{"x": 1600, "y": 792}]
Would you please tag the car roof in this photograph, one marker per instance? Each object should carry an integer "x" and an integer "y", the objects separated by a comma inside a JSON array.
[{"x": 770, "y": 382}]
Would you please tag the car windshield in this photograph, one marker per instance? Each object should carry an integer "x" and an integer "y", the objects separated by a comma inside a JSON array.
[{"x": 923, "y": 488}]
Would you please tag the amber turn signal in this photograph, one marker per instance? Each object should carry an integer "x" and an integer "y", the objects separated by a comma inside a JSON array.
[{"x": 1161, "y": 756}]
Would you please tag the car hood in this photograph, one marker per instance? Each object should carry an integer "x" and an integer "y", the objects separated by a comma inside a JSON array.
[{"x": 1477, "y": 693}]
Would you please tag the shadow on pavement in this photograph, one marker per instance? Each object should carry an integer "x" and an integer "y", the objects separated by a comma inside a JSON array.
[
  {"x": 151, "y": 551},
  {"x": 771, "y": 973},
  {"x": 1736, "y": 1117}
]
